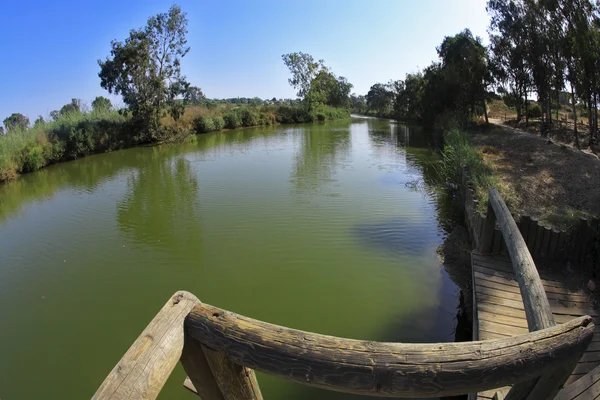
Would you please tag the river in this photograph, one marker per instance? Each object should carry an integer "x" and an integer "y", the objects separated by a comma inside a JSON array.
[{"x": 330, "y": 228}]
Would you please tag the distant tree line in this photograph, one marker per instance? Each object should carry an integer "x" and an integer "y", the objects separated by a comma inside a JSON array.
[{"x": 538, "y": 49}]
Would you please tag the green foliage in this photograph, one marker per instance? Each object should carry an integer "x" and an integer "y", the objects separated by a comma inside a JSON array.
[
  {"x": 535, "y": 111},
  {"x": 16, "y": 122},
  {"x": 219, "y": 122},
  {"x": 458, "y": 154},
  {"x": 380, "y": 99},
  {"x": 304, "y": 69},
  {"x": 146, "y": 71},
  {"x": 194, "y": 96},
  {"x": 101, "y": 103},
  {"x": 74, "y": 107},
  {"x": 232, "y": 119},
  {"x": 205, "y": 124}
]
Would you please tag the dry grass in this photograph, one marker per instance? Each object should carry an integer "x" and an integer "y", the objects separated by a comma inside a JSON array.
[{"x": 551, "y": 182}]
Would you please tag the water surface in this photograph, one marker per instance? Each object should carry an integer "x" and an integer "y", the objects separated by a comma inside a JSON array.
[{"x": 311, "y": 226}]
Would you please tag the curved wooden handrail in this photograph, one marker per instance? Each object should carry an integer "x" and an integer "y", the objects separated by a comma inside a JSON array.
[{"x": 387, "y": 369}]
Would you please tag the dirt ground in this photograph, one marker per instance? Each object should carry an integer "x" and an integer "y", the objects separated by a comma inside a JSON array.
[{"x": 547, "y": 180}]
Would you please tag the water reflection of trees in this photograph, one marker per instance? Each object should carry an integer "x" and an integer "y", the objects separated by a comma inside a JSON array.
[
  {"x": 161, "y": 205},
  {"x": 322, "y": 150},
  {"x": 419, "y": 146}
]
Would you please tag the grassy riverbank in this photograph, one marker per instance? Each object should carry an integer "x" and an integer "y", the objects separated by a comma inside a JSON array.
[{"x": 80, "y": 134}]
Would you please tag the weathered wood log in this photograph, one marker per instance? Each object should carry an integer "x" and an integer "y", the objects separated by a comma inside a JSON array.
[
  {"x": 145, "y": 367},
  {"x": 201, "y": 378},
  {"x": 537, "y": 309},
  {"x": 235, "y": 381},
  {"x": 487, "y": 234},
  {"x": 387, "y": 369}
]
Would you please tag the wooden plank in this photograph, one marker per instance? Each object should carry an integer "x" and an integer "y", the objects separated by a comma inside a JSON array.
[
  {"x": 493, "y": 269},
  {"x": 553, "y": 246},
  {"x": 145, "y": 367},
  {"x": 578, "y": 302},
  {"x": 583, "y": 384},
  {"x": 539, "y": 238},
  {"x": 387, "y": 369},
  {"x": 496, "y": 241},
  {"x": 525, "y": 222},
  {"x": 501, "y": 329},
  {"x": 503, "y": 279},
  {"x": 487, "y": 234},
  {"x": 546, "y": 242},
  {"x": 533, "y": 228},
  {"x": 560, "y": 246}
]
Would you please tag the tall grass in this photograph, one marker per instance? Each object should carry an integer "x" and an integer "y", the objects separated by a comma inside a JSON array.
[
  {"x": 71, "y": 136},
  {"x": 77, "y": 134},
  {"x": 458, "y": 154}
]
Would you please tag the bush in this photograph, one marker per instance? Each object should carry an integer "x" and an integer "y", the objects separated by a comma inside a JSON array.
[
  {"x": 232, "y": 119},
  {"x": 219, "y": 122},
  {"x": 250, "y": 117},
  {"x": 204, "y": 124},
  {"x": 535, "y": 111}
]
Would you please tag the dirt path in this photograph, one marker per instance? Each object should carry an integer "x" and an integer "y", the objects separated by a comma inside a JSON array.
[{"x": 549, "y": 181}]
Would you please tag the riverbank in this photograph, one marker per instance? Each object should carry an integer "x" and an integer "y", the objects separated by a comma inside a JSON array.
[
  {"x": 80, "y": 134},
  {"x": 552, "y": 182}
]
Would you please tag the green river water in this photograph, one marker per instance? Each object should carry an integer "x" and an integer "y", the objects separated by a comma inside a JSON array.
[{"x": 310, "y": 226}]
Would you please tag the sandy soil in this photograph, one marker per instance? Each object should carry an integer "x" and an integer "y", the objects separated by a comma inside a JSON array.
[{"x": 549, "y": 181}]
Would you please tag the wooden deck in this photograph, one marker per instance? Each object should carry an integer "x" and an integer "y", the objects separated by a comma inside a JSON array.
[{"x": 499, "y": 310}]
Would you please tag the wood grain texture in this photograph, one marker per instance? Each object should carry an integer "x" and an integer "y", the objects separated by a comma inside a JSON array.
[
  {"x": 200, "y": 376},
  {"x": 537, "y": 307},
  {"x": 235, "y": 381},
  {"x": 386, "y": 369},
  {"x": 145, "y": 367}
]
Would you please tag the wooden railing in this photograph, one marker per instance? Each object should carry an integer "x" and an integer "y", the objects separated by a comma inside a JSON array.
[{"x": 220, "y": 350}]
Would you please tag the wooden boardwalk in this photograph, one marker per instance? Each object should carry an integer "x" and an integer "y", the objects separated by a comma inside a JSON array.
[{"x": 499, "y": 310}]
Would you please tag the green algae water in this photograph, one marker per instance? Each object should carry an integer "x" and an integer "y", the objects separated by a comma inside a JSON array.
[{"x": 330, "y": 228}]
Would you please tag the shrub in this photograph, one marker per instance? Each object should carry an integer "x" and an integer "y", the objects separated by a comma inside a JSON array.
[
  {"x": 219, "y": 122},
  {"x": 204, "y": 124},
  {"x": 232, "y": 119},
  {"x": 535, "y": 111},
  {"x": 250, "y": 117}
]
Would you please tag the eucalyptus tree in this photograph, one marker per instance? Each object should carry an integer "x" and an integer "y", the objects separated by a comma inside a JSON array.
[
  {"x": 146, "y": 70},
  {"x": 16, "y": 121}
]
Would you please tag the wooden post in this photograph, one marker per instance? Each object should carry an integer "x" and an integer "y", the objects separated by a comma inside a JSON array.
[
  {"x": 214, "y": 376},
  {"x": 487, "y": 234},
  {"x": 145, "y": 367}
]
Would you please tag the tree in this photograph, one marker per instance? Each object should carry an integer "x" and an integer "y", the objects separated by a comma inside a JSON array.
[
  {"x": 464, "y": 65},
  {"x": 194, "y": 96},
  {"x": 358, "y": 103},
  {"x": 39, "y": 121},
  {"x": 146, "y": 70},
  {"x": 379, "y": 98},
  {"x": 304, "y": 70},
  {"x": 1, "y": 130},
  {"x": 73, "y": 107},
  {"x": 101, "y": 103},
  {"x": 16, "y": 121},
  {"x": 54, "y": 114}
]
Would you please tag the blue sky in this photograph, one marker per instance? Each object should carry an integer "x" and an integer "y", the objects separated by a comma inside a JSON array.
[{"x": 50, "y": 48}]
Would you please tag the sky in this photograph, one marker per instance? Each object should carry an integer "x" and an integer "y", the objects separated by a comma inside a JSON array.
[{"x": 50, "y": 48}]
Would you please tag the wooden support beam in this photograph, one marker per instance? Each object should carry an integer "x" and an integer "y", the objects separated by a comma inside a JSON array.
[
  {"x": 386, "y": 369},
  {"x": 487, "y": 234},
  {"x": 145, "y": 367}
]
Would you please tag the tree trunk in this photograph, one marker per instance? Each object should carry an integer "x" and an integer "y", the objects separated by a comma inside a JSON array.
[
  {"x": 590, "y": 121},
  {"x": 487, "y": 121},
  {"x": 575, "y": 118},
  {"x": 526, "y": 110}
]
